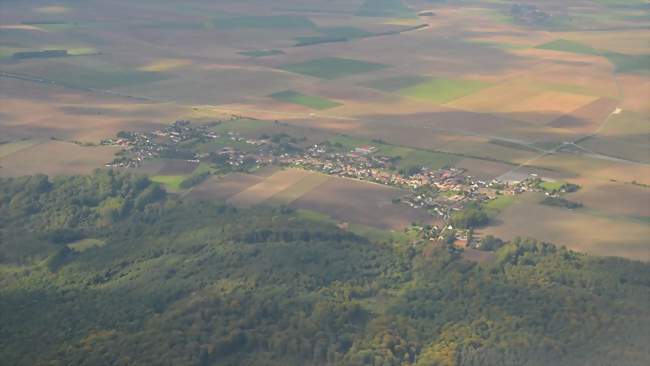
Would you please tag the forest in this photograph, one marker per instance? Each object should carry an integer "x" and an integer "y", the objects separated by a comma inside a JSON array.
[{"x": 109, "y": 269}]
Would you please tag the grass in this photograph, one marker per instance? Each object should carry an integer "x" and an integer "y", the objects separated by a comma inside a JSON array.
[
  {"x": 427, "y": 159},
  {"x": 304, "y": 100},
  {"x": 378, "y": 235},
  {"x": 551, "y": 186},
  {"x": 333, "y": 34},
  {"x": 85, "y": 244},
  {"x": 261, "y": 53},
  {"x": 629, "y": 63},
  {"x": 240, "y": 125},
  {"x": 564, "y": 45},
  {"x": 172, "y": 182},
  {"x": 271, "y": 22},
  {"x": 86, "y": 77},
  {"x": 442, "y": 90},
  {"x": 344, "y": 32},
  {"x": 385, "y": 9},
  {"x": 332, "y": 67},
  {"x": 495, "y": 206},
  {"x": 395, "y": 83}
]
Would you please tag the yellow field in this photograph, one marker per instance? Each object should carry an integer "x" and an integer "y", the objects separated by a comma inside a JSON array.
[
  {"x": 166, "y": 64},
  {"x": 527, "y": 100},
  {"x": 7, "y": 149}
]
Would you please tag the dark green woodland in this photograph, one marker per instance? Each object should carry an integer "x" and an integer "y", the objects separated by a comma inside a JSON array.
[{"x": 108, "y": 269}]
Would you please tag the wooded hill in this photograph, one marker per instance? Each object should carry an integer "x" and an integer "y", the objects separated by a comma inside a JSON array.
[{"x": 107, "y": 269}]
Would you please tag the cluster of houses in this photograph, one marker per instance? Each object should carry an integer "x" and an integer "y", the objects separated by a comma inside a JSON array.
[{"x": 439, "y": 191}]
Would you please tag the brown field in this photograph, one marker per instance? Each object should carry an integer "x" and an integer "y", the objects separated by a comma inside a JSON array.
[
  {"x": 614, "y": 198},
  {"x": 587, "y": 118},
  {"x": 56, "y": 158},
  {"x": 600, "y": 235},
  {"x": 488, "y": 170},
  {"x": 30, "y": 110},
  {"x": 222, "y": 188},
  {"x": 635, "y": 90},
  {"x": 304, "y": 186},
  {"x": 593, "y": 168},
  {"x": 362, "y": 203},
  {"x": 275, "y": 184}
]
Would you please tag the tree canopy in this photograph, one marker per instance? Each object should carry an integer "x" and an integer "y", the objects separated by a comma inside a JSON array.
[{"x": 201, "y": 283}]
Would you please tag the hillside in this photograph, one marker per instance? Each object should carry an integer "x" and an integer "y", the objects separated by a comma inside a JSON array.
[{"x": 107, "y": 269}]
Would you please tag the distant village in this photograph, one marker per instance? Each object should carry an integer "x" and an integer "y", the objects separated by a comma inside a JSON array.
[{"x": 441, "y": 192}]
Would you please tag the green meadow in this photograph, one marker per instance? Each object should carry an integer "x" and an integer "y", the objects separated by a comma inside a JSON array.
[
  {"x": 332, "y": 67},
  {"x": 99, "y": 78},
  {"x": 443, "y": 90},
  {"x": 261, "y": 53},
  {"x": 564, "y": 45},
  {"x": 172, "y": 182},
  {"x": 395, "y": 83},
  {"x": 85, "y": 244},
  {"x": 240, "y": 125},
  {"x": 310, "y": 101}
]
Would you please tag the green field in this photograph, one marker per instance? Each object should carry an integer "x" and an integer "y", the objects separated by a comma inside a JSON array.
[
  {"x": 310, "y": 101},
  {"x": 427, "y": 159},
  {"x": 99, "y": 78},
  {"x": 442, "y": 90},
  {"x": 564, "y": 45},
  {"x": 264, "y": 22},
  {"x": 385, "y": 8},
  {"x": 261, "y": 53},
  {"x": 171, "y": 182},
  {"x": 85, "y": 244},
  {"x": 551, "y": 186},
  {"x": 345, "y": 32},
  {"x": 629, "y": 63},
  {"x": 332, "y": 34},
  {"x": 332, "y": 67},
  {"x": 495, "y": 206},
  {"x": 395, "y": 83},
  {"x": 240, "y": 125}
]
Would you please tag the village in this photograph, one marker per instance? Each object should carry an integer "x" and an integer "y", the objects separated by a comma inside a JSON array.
[{"x": 442, "y": 192}]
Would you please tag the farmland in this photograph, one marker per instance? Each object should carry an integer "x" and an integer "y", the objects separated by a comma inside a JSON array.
[
  {"x": 310, "y": 101},
  {"x": 332, "y": 68},
  {"x": 319, "y": 183},
  {"x": 464, "y": 86}
]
